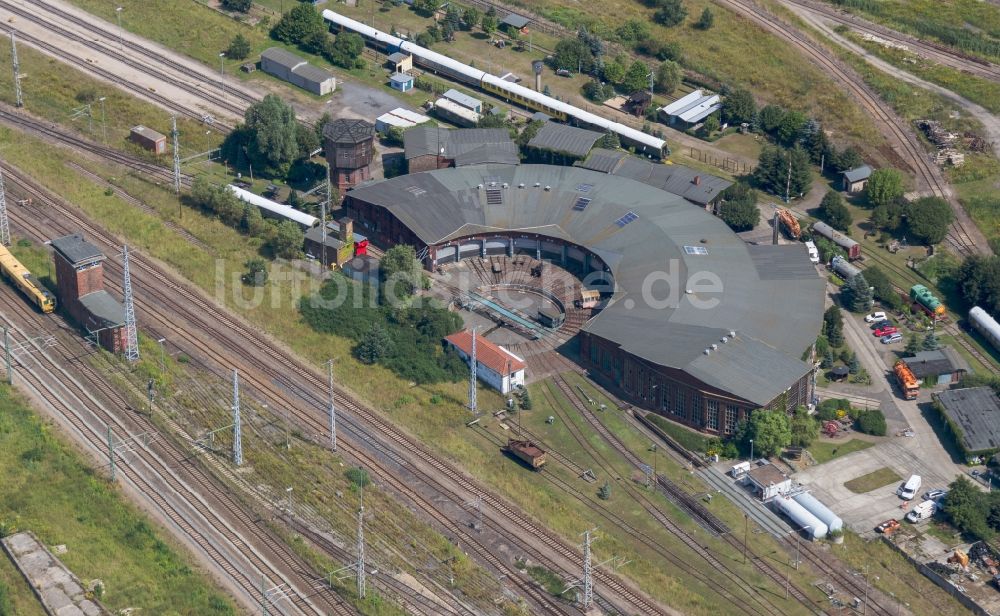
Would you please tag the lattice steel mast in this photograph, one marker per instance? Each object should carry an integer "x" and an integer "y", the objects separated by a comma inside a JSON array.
[
  {"x": 361, "y": 544},
  {"x": 237, "y": 430},
  {"x": 333, "y": 410},
  {"x": 473, "y": 378},
  {"x": 19, "y": 99},
  {"x": 177, "y": 154},
  {"x": 4, "y": 223},
  {"x": 131, "y": 331},
  {"x": 588, "y": 580}
]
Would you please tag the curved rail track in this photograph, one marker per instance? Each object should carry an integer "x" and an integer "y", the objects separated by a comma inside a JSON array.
[
  {"x": 289, "y": 384},
  {"x": 962, "y": 231},
  {"x": 72, "y": 400}
]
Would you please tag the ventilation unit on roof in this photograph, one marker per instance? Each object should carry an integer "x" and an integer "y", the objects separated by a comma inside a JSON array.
[
  {"x": 732, "y": 334},
  {"x": 708, "y": 351},
  {"x": 537, "y": 184},
  {"x": 480, "y": 186},
  {"x": 505, "y": 185},
  {"x": 548, "y": 188},
  {"x": 715, "y": 347},
  {"x": 725, "y": 339},
  {"x": 521, "y": 185}
]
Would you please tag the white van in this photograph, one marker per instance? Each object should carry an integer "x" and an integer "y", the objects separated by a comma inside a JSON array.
[
  {"x": 813, "y": 251},
  {"x": 922, "y": 511},
  {"x": 909, "y": 489}
]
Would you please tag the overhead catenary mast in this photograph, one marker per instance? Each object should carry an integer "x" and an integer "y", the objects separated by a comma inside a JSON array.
[
  {"x": 333, "y": 409},
  {"x": 4, "y": 223},
  {"x": 361, "y": 544},
  {"x": 177, "y": 154},
  {"x": 237, "y": 431},
  {"x": 473, "y": 404},
  {"x": 18, "y": 98},
  {"x": 131, "y": 331}
]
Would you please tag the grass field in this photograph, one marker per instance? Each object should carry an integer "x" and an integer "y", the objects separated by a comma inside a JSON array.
[
  {"x": 49, "y": 490},
  {"x": 16, "y": 598},
  {"x": 688, "y": 438},
  {"x": 969, "y": 25},
  {"x": 824, "y": 451},
  {"x": 872, "y": 481}
]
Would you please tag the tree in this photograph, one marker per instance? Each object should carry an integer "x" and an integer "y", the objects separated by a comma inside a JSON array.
[
  {"x": 884, "y": 187},
  {"x": 239, "y": 48},
  {"x": 828, "y": 359},
  {"x": 637, "y": 77},
  {"x": 706, "y": 20},
  {"x": 592, "y": 41},
  {"x": 710, "y": 125},
  {"x": 632, "y": 31},
  {"x": 660, "y": 49},
  {"x": 833, "y": 326},
  {"x": 596, "y": 92},
  {"x": 668, "y": 77},
  {"x": 858, "y": 294},
  {"x": 739, "y": 106},
  {"x": 849, "y": 158},
  {"x": 782, "y": 172},
  {"x": 614, "y": 71},
  {"x": 770, "y": 431},
  {"x": 256, "y": 274},
  {"x": 273, "y": 135},
  {"x": 237, "y": 5},
  {"x": 490, "y": 22},
  {"x": 670, "y": 12},
  {"x": 288, "y": 239},
  {"x": 400, "y": 272},
  {"x": 979, "y": 282},
  {"x": 928, "y": 219},
  {"x": 525, "y": 400},
  {"x": 299, "y": 24},
  {"x": 770, "y": 117},
  {"x": 609, "y": 141},
  {"x": 853, "y": 365},
  {"x": 471, "y": 17},
  {"x": 888, "y": 216},
  {"x": 833, "y": 211},
  {"x": 358, "y": 477},
  {"x": 346, "y": 50},
  {"x": 883, "y": 289},
  {"x": 604, "y": 492},
  {"x": 252, "y": 223},
  {"x": 966, "y": 507},
  {"x": 912, "y": 345},
  {"x": 871, "y": 422},
  {"x": 738, "y": 207},
  {"x": 375, "y": 345},
  {"x": 571, "y": 54},
  {"x": 804, "y": 428},
  {"x": 820, "y": 149},
  {"x": 790, "y": 128},
  {"x": 930, "y": 342}
]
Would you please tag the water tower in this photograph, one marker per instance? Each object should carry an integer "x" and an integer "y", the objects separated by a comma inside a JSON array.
[
  {"x": 537, "y": 66},
  {"x": 349, "y": 147}
]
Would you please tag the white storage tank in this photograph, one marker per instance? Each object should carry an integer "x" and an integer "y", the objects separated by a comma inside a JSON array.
[
  {"x": 821, "y": 511},
  {"x": 986, "y": 325},
  {"x": 844, "y": 269},
  {"x": 801, "y": 518}
]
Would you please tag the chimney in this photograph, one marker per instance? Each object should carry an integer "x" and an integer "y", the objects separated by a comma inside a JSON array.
[
  {"x": 697, "y": 180},
  {"x": 538, "y": 82},
  {"x": 346, "y": 230}
]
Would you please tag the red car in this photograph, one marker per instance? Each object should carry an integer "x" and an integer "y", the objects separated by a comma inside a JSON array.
[{"x": 885, "y": 331}]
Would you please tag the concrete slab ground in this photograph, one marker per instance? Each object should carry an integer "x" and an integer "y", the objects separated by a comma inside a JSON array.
[
  {"x": 55, "y": 586},
  {"x": 922, "y": 454}
]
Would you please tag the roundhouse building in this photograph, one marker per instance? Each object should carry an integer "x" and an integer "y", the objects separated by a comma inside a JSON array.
[{"x": 700, "y": 327}]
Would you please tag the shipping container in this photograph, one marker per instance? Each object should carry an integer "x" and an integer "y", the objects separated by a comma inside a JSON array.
[{"x": 526, "y": 451}]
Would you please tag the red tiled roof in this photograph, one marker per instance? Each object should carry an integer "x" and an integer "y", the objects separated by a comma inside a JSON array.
[{"x": 496, "y": 358}]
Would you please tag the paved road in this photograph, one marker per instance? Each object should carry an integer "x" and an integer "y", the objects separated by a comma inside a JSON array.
[{"x": 922, "y": 454}]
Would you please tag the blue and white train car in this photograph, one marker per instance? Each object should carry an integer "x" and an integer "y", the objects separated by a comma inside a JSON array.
[{"x": 986, "y": 325}]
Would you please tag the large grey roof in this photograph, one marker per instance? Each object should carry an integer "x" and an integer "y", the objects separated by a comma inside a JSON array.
[
  {"x": 771, "y": 295},
  {"x": 312, "y": 73},
  {"x": 976, "y": 411},
  {"x": 934, "y": 363},
  {"x": 467, "y": 146},
  {"x": 348, "y": 131},
  {"x": 282, "y": 57},
  {"x": 75, "y": 249},
  {"x": 515, "y": 20},
  {"x": 564, "y": 138},
  {"x": 696, "y": 186},
  {"x": 106, "y": 310}
]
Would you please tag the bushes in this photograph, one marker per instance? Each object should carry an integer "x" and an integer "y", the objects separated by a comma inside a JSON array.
[
  {"x": 738, "y": 207},
  {"x": 871, "y": 422},
  {"x": 284, "y": 239}
]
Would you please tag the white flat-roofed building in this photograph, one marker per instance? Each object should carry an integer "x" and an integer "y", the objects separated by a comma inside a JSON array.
[{"x": 451, "y": 111}]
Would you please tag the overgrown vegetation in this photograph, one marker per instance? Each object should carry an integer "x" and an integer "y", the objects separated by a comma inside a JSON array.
[
  {"x": 284, "y": 239},
  {"x": 49, "y": 490},
  {"x": 972, "y": 511}
]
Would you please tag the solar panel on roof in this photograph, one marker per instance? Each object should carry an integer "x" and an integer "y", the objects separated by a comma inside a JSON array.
[
  {"x": 584, "y": 187},
  {"x": 627, "y": 218},
  {"x": 696, "y": 250},
  {"x": 581, "y": 204},
  {"x": 416, "y": 191}
]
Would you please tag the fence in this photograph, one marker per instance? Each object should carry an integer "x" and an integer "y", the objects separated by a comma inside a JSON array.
[{"x": 732, "y": 165}]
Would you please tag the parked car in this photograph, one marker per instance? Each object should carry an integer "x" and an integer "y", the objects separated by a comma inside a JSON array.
[
  {"x": 875, "y": 317},
  {"x": 922, "y": 512},
  {"x": 885, "y": 331},
  {"x": 891, "y": 338},
  {"x": 936, "y": 494},
  {"x": 888, "y": 527},
  {"x": 908, "y": 489},
  {"x": 880, "y": 325}
]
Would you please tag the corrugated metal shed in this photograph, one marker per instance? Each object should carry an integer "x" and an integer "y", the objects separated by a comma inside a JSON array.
[
  {"x": 563, "y": 138},
  {"x": 695, "y": 186},
  {"x": 464, "y": 100},
  {"x": 282, "y": 57},
  {"x": 468, "y": 145}
]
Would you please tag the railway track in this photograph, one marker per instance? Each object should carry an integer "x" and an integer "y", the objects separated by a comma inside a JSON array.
[
  {"x": 940, "y": 53},
  {"x": 962, "y": 231},
  {"x": 139, "y": 57},
  {"x": 287, "y": 383},
  {"x": 703, "y": 517},
  {"x": 162, "y": 461}
]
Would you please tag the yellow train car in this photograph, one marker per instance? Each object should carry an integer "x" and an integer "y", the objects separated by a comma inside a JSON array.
[
  {"x": 13, "y": 271},
  {"x": 513, "y": 97}
]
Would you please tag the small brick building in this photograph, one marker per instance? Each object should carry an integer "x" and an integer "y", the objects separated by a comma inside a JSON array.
[{"x": 80, "y": 285}]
